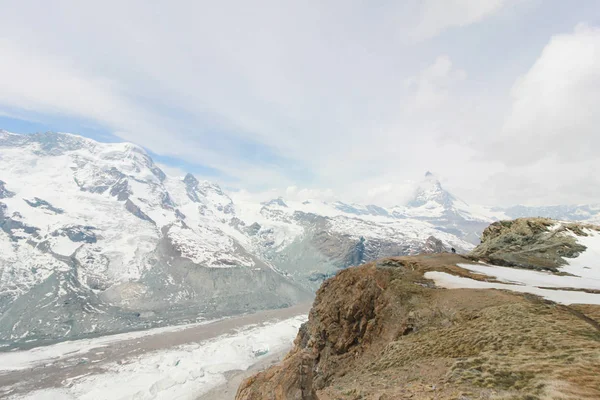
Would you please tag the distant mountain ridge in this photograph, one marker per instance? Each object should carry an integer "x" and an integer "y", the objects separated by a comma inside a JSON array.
[{"x": 95, "y": 238}]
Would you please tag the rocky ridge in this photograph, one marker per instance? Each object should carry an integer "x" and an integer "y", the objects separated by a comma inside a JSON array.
[
  {"x": 535, "y": 243},
  {"x": 385, "y": 331}
]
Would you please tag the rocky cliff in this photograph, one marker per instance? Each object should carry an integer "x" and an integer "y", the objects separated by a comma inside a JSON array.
[
  {"x": 535, "y": 243},
  {"x": 385, "y": 331}
]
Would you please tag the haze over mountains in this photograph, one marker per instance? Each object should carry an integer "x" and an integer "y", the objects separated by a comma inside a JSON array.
[{"x": 95, "y": 238}]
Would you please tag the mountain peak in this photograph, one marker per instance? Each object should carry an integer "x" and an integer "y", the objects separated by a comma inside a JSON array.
[
  {"x": 430, "y": 190},
  {"x": 190, "y": 180},
  {"x": 275, "y": 202}
]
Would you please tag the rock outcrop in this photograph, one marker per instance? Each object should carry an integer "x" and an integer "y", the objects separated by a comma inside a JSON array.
[
  {"x": 434, "y": 245},
  {"x": 533, "y": 243},
  {"x": 383, "y": 331}
]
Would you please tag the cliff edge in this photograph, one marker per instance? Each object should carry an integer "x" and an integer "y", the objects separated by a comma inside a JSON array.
[{"x": 384, "y": 330}]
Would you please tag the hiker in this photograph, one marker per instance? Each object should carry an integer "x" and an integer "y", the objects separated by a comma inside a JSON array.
[{"x": 453, "y": 250}]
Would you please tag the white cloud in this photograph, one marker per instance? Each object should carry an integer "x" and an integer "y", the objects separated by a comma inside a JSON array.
[
  {"x": 291, "y": 193},
  {"x": 432, "y": 85},
  {"x": 390, "y": 194},
  {"x": 342, "y": 97},
  {"x": 555, "y": 104},
  {"x": 438, "y": 15},
  {"x": 301, "y": 194},
  {"x": 172, "y": 171},
  {"x": 550, "y": 139},
  {"x": 53, "y": 86}
]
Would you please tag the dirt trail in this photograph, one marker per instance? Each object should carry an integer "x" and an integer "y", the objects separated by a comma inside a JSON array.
[{"x": 61, "y": 373}]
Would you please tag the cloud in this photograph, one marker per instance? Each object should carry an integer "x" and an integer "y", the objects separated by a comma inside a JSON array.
[
  {"x": 432, "y": 85},
  {"x": 172, "y": 171},
  {"x": 554, "y": 110},
  {"x": 333, "y": 96},
  {"x": 231, "y": 80},
  {"x": 52, "y": 86},
  {"x": 291, "y": 193},
  {"x": 435, "y": 16},
  {"x": 390, "y": 194},
  {"x": 33, "y": 81},
  {"x": 549, "y": 140}
]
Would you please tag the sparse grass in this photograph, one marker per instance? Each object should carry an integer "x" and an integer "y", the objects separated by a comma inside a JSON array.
[
  {"x": 514, "y": 347},
  {"x": 415, "y": 342}
]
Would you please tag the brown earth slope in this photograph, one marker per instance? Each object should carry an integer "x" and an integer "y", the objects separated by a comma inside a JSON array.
[{"x": 382, "y": 331}]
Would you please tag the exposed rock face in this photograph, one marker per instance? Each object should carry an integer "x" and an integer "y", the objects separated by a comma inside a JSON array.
[
  {"x": 434, "y": 245},
  {"x": 11, "y": 225},
  {"x": 534, "y": 243},
  {"x": 382, "y": 331},
  {"x": 77, "y": 233},
  {"x": 43, "y": 204},
  {"x": 4, "y": 192},
  {"x": 135, "y": 210}
]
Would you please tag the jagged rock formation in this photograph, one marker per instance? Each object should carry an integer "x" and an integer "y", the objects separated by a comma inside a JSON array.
[
  {"x": 433, "y": 246},
  {"x": 535, "y": 243},
  {"x": 385, "y": 331}
]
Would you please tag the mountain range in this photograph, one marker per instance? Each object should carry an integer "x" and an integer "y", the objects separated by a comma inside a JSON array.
[{"x": 95, "y": 238}]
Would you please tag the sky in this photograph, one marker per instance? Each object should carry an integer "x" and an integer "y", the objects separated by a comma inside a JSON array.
[{"x": 350, "y": 99}]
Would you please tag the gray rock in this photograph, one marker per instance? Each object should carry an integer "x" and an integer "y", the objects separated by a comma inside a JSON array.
[
  {"x": 77, "y": 233},
  {"x": 135, "y": 210},
  {"x": 191, "y": 187},
  {"x": 434, "y": 246},
  {"x": 529, "y": 243},
  {"x": 4, "y": 192},
  {"x": 275, "y": 202},
  {"x": 121, "y": 190},
  {"x": 9, "y": 224},
  {"x": 40, "y": 203}
]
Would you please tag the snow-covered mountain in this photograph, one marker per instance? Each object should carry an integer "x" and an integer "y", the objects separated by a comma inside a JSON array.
[
  {"x": 432, "y": 203},
  {"x": 95, "y": 238},
  {"x": 311, "y": 240}
]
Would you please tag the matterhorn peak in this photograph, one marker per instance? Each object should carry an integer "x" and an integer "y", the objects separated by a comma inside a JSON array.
[{"x": 430, "y": 190}]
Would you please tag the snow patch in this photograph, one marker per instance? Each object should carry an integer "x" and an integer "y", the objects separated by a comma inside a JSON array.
[
  {"x": 587, "y": 264},
  {"x": 533, "y": 278},
  {"x": 448, "y": 281}
]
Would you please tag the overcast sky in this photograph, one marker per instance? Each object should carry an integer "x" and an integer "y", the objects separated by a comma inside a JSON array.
[{"x": 348, "y": 99}]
